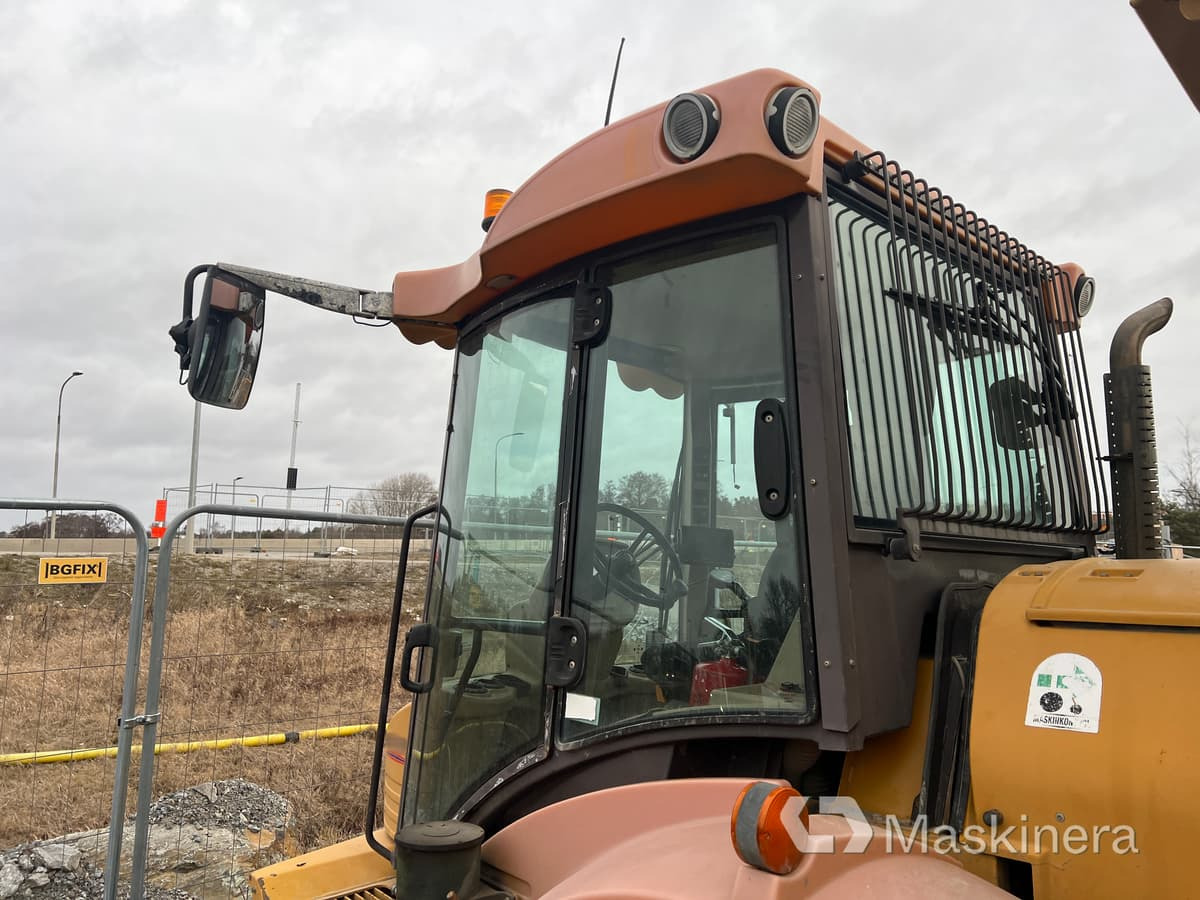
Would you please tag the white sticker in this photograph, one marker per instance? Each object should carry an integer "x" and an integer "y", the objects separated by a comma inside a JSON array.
[
  {"x": 1064, "y": 694},
  {"x": 582, "y": 708}
]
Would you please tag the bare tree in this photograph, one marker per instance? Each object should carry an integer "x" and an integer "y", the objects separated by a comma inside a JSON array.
[
  {"x": 1186, "y": 474},
  {"x": 643, "y": 490},
  {"x": 1181, "y": 504},
  {"x": 397, "y": 495},
  {"x": 75, "y": 525}
]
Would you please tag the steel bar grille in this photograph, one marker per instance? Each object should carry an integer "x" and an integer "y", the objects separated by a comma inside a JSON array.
[{"x": 966, "y": 388}]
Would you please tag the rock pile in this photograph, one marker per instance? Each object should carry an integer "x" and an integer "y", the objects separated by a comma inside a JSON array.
[
  {"x": 35, "y": 866},
  {"x": 203, "y": 842},
  {"x": 235, "y": 803},
  {"x": 57, "y": 870}
]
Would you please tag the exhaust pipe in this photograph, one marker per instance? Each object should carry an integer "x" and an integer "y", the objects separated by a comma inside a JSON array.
[{"x": 1137, "y": 525}]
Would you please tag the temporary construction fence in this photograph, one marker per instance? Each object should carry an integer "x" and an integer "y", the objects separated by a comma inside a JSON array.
[
  {"x": 66, "y": 680},
  {"x": 208, "y": 531},
  {"x": 253, "y": 658},
  {"x": 277, "y": 647}
]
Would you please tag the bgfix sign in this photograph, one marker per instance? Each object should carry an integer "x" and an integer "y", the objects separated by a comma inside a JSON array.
[{"x": 73, "y": 570}]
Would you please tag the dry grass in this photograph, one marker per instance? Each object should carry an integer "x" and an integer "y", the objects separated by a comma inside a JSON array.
[{"x": 252, "y": 647}]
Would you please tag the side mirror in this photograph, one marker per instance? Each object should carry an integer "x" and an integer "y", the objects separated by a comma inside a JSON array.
[{"x": 221, "y": 347}]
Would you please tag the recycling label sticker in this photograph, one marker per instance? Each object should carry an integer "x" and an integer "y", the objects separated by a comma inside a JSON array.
[{"x": 1064, "y": 693}]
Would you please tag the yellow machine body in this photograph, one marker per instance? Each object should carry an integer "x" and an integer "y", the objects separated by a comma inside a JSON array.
[
  {"x": 1104, "y": 814},
  {"x": 1137, "y": 621},
  {"x": 351, "y": 867}
]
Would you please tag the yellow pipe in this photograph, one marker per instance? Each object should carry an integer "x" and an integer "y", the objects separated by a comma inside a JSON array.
[{"x": 260, "y": 740}]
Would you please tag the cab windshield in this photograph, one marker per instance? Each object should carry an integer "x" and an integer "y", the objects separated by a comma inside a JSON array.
[{"x": 616, "y": 484}]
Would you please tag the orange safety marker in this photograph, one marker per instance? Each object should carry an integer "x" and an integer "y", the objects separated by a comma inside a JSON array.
[
  {"x": 159, "y": 526},
  {"x": 760, "y": 836}
]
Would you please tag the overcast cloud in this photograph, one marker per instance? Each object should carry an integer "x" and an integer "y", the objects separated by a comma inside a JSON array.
[{"x": 348, "y": 141}]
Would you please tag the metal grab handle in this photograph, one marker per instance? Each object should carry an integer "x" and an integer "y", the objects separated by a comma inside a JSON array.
[
  {"x": 423, "y": 635},
  {"x": 389, "y": 669}
]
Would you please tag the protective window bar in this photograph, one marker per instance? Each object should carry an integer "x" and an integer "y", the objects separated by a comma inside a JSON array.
[{"x": 966, "y": 389}]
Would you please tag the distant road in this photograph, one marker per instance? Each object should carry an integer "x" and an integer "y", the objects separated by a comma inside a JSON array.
[{"x": 272, "y": 548}]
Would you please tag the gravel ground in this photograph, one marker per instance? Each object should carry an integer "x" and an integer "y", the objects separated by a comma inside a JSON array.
[
  {"x": 57, "y": 870},
  {"x": 24, "y": 873},
  {"x": 225, "y": 804}
]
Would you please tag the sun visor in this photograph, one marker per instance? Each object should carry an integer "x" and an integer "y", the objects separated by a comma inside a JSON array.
[
  {"x": 419, "y": 333},
  {"x": 638, "y": 379}
]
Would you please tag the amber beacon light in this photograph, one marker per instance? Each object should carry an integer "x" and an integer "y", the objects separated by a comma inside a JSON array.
[{"x": 493, "y": 202}]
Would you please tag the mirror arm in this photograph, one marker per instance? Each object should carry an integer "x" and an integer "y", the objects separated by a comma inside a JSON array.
[
  {"x": 181, "y": 332},
  {"x": 321, "y": 294},
  {"x": 188, "y": 286}
]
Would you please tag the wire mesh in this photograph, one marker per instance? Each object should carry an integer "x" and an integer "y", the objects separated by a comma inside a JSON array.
[
  {"x": 270, "y": 681},
  {"x": 62, "y": 663}
]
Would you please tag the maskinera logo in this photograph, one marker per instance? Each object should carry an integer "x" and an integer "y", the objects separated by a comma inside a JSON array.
[{"x": 1021, "y": 838}]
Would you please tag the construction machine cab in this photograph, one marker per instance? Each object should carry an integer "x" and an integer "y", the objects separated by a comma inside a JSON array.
[{"x": 744, "y": 429}]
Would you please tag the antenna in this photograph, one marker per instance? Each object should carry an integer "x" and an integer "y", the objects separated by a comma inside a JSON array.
[{"x": 612, "y": 90}]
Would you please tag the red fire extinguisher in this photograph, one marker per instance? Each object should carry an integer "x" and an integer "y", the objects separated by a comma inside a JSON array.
[{"x": 710, "y": 676}]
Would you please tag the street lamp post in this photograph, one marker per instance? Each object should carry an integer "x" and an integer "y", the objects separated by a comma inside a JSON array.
[
  {"x": 496, "y": 473},
  {"x": 341, "y": 509},
  {"x": 189, "y": 541},
  {"x": 57, "y": 435},
  {"x": 233, "y": 524},
  {"x": 257, "y": 527}
]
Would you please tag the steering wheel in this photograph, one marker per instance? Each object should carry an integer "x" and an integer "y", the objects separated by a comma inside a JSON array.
[{"x": 619, "y": 565}]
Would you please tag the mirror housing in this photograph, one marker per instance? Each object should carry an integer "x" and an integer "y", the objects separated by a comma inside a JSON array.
[{"x": 220, "y": 348}]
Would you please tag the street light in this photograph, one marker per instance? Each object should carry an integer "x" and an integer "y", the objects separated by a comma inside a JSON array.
[
  {"x": 341, "y": 510},
  {"x": 233, "y": 528},
  {"x": 57, "y": 434}
]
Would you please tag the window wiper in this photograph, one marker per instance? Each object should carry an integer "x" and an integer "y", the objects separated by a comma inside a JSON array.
[{"x": 954, "y": 326}]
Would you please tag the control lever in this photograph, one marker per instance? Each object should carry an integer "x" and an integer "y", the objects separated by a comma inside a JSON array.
[
  {"x": 723, "y": 579},
  {"x": 727, "y": 633},
  {"x": 729, "y": 412},
  {"x": 730, "y": 644}
]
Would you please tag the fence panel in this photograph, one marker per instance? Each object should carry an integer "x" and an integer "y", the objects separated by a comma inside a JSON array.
[
  {"x": 66, "y": 631},
  {"x": 265, "y": 667}
]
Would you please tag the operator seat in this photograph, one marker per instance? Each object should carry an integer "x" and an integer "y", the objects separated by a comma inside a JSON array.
[
  {"x": 772, "y": 610},
  {"x": 604, "y": 613}
]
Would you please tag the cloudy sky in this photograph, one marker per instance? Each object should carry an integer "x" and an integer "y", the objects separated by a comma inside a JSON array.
[{"x": 348, "y": 141}]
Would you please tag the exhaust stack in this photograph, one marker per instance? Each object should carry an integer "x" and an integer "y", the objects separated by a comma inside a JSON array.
[{"x": 1132, "y": 448}]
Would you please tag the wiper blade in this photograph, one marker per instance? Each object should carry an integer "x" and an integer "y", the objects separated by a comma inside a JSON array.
[{"x": 955, "y": 326}]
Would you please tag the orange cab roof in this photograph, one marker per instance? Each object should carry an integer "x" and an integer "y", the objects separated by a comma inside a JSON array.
[{"x": 616, "y": 184}]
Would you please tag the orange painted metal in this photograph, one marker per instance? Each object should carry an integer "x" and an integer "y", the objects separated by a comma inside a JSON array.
[
  {"x": 621, "y": 183},
  {"x": 670, "y": 839}
]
